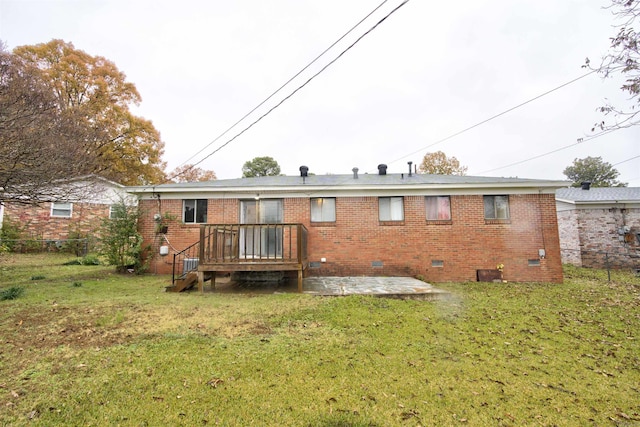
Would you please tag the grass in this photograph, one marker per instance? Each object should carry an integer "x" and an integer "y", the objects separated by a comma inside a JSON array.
[{"x": 120, "y": 351}]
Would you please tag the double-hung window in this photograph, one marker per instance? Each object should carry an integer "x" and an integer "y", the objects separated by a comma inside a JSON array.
[
  {"x": 194, "y": 211},
  {"x": 323, "y": 209},
  {"x": 391, "y": 208},
  {"x": 118, "y": 211},
  {"x": 496, "y": 207},
  {"x": 61, "y": 210},
  {"x": 438, "y": 208}
]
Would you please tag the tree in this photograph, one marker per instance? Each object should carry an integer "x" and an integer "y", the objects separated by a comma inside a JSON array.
[
  {"x": 594, "y": 170},
  {"x": 439, "y": 164},
  {"x": 38, "y": 141},
  {"x": 128, "y": 148},
  {"x": 260, "y": 166},
  {"x": 191, "y": 173},
  {"x": 121, "y": 243},
  {"x": 623, "y": 58}
]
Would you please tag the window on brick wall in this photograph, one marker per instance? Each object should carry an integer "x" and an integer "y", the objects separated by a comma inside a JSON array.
[
  {"x": 496, "y": 207},
  {"x": 438, "y": 208},
  {"x": 117, "y": 211},
  {"x": 61, "y": 210},
  {"x": 391, "y": 208},
  {"x": 323, "y": 209},
  {"x": 194, "y": 211}
]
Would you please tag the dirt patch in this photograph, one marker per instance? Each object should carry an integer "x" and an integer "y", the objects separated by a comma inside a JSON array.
[{"x": 59, "y": 326}]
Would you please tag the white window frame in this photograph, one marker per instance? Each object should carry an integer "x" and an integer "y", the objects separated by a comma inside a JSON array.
[
  {"x": 61, "y": 207},
  {"x": 323, "y": 209},
  {"x": 498, "y": 213},
  {"x": 391, "y": 208},
  {"x": 195, "y": 211}
]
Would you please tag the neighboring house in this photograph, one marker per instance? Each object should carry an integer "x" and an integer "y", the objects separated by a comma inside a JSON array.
[
  {"x": 87, "y": 202},
  {"x": 437, "y": 227},
  {"x": 599, "y": 226}
]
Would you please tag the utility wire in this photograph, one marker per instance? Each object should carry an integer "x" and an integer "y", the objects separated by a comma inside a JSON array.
[
  {"x": 625, "y": 161},
  {"x": 495, "y": 116},
  {"x": 282, "y": 86},
  {"x": 304, "y": 84},
  {"x": 580, "y": 141}
]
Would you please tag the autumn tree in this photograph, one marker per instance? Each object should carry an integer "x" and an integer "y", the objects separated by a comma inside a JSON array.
[
  {"x": 128, "y": 148},
  {"x": 439, "y": 164},
  {"x": 260, "y": 166},
  {"x": 623, "y": 58},
  {"x": 594, "y": 170},
  {"x": 39, "y": 146},
  {"x": 191, "y": 173}
]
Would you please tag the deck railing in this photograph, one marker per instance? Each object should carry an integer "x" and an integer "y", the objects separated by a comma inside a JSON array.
[{"x": 253, "y": 243}]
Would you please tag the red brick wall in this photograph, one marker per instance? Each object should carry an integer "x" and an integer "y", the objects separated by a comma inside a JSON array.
[
  {"x": 37, "y": 222},
  {"x": 357, "y": 239}
]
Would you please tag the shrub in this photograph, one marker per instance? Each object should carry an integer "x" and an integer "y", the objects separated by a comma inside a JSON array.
[
  {"x": 10, "y": 233},
  {"x": 121, "y": 243},
  {"x": 13, "y": 292},
  {"x": 38, "y": 277},
  {"x": 90, "y": 259}
]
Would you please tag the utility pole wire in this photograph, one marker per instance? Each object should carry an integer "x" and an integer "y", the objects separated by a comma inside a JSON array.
[
  {"x": 303, "y": 85},
  {"x": 280, "y": 88},
  {"x": 495, "y": 116},
  {"x": 580, "y": 141}
]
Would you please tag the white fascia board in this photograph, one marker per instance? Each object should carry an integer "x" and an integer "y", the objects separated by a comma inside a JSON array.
[{"x": 303, "y": 191}]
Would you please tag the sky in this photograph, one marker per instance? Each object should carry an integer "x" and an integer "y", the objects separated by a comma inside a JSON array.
[{"x": 414, "y": 84}]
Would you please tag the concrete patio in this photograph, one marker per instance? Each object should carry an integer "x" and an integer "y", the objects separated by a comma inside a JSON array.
[{"x": 391, "y": 287}]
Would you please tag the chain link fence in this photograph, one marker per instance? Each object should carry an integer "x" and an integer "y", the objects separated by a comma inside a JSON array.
[
  {"x": 604, "y": 259},
  {"x": 79, "y": 247}
]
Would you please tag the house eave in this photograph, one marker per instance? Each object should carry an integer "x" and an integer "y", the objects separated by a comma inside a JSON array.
[{"x": 306, "y": 190}]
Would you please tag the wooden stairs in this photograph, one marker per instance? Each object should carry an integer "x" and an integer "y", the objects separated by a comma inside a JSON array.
[{"x": 184, "y": 283}]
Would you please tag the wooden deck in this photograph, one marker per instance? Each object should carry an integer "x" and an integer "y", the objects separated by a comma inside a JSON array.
[{"x": 252, "y": 247}]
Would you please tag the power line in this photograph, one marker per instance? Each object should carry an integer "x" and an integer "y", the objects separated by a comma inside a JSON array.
[
  {"x": 495, "y": 116},
  {"x": 580, "y": 141},
  {"x": 283, "y": 85},
  {"x": 625, "y": 161},
  {"x": 304, "y": 84}
]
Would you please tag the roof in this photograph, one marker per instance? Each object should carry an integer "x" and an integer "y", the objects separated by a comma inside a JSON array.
[
  {"x": 348, "y": 184},
  {"x": 599, "y": 195}
]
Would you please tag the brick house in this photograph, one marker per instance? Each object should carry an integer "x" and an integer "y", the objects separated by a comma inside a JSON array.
[
  {"x": 599, "y": 226},
  {"x": 86, "y": 201},
  {"x": 441, "y": 228}
]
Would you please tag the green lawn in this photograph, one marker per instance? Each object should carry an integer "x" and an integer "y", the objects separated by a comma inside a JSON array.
[{"x": 84, "y": 346}]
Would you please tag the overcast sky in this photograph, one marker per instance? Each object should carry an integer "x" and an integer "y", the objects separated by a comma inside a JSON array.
[{"x": 429, "y": 71}]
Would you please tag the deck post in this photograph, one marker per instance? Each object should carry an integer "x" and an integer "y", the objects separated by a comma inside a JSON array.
[
  {"x": 300, "y": 280},
  {"x": 213, "y": 281},
  {"x": 201, "y": 281}
]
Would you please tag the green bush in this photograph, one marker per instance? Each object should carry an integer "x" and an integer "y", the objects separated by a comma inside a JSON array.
[
  {"x": 90, "y": 259},
  {"x": 10, "y": 233},
  {"x": 121, "y": 243},
  {"x": 13, "y": 292},
  {"x": 38, "y": 277}
]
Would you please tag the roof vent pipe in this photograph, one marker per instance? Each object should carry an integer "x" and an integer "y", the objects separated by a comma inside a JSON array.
[
  {"x": 585, "y": 185},
  {"x": 304, "y": 171},
  {"x": 382, "y": 169},
  {"x": 409, "y": 163},
  {"x": 355, "y": 173}
]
